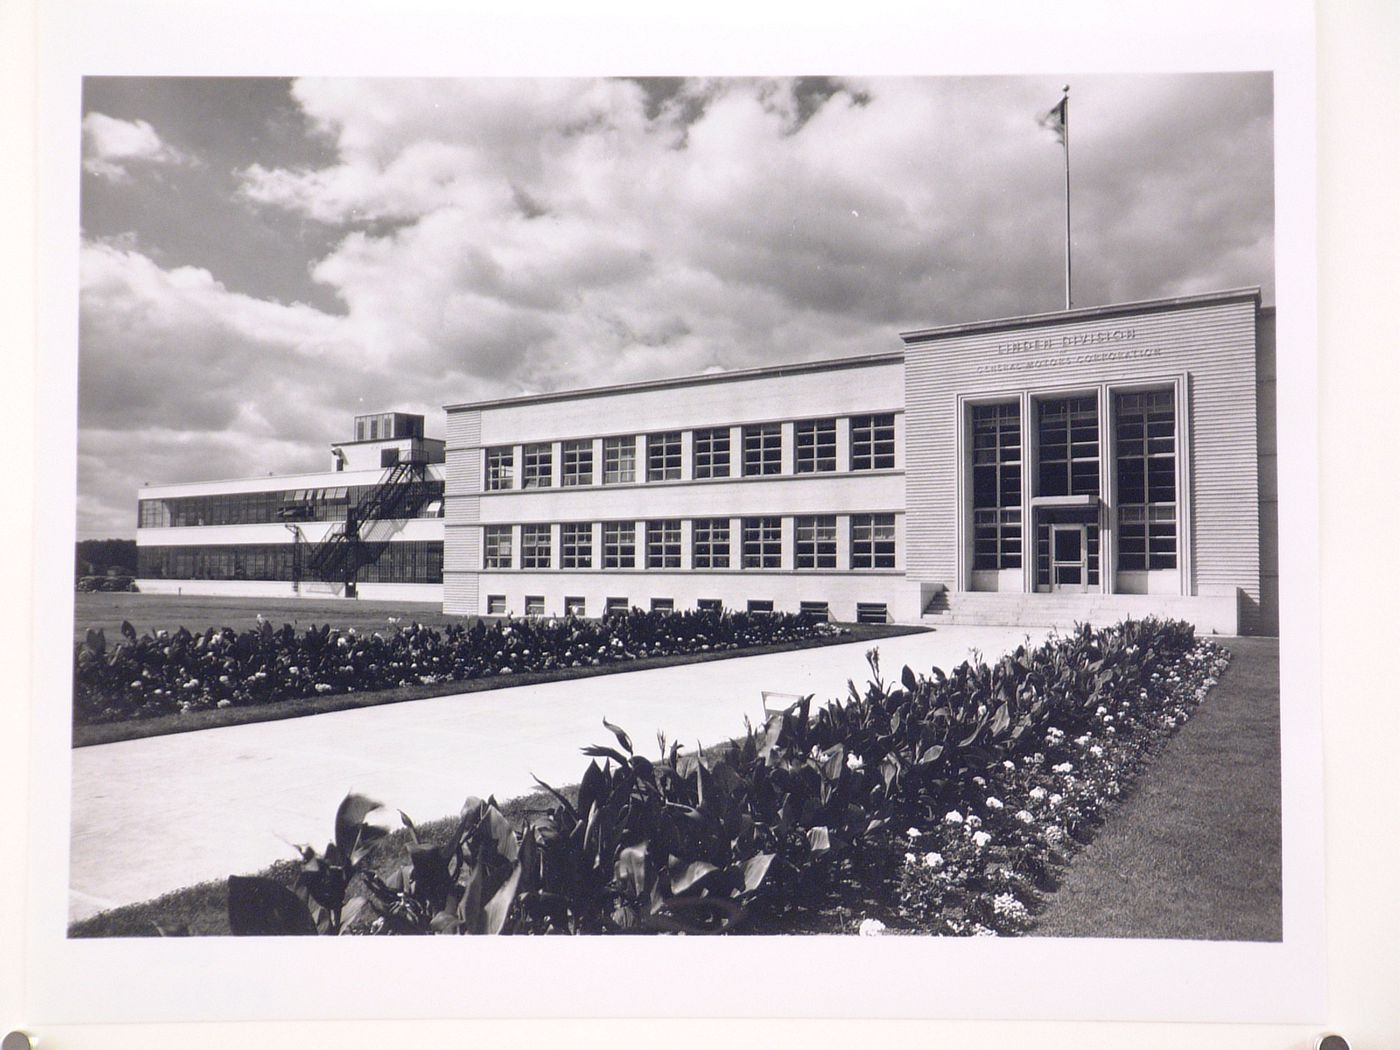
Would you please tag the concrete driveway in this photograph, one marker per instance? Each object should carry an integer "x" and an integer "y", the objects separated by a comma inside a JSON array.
[{"x": 155, "y": 815}]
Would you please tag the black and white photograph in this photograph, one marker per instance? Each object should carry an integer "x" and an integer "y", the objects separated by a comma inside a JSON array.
[
  {"x": 806, "y": 525},
  {"x": 565, "y": 446}
]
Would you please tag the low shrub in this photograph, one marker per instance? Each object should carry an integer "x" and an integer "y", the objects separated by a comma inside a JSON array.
[
  {"x": 789, "y": 811},
  {"x": 105, "y": 584},
  {"x": 163, "y": 673}
]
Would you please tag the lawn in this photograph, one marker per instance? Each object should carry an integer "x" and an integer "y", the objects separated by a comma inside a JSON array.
[
  {"x": 1195, "y": 851},
  {"x": 151, "y": 612},
  {"x": 155, "y": 612}
]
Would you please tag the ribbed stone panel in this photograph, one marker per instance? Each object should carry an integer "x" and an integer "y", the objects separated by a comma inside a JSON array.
[
  {"x": 461, "y": 548},
  {"x": 1210, "y": 341}
]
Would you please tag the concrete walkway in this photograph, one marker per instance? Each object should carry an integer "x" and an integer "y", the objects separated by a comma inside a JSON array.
[{"x": 150, "y": 816}]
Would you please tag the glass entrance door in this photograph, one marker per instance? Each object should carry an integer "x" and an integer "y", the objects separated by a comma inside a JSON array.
[{"x": 1068, "y": 559}]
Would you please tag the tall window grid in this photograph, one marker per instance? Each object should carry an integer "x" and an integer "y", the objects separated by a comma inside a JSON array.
[
  {"x": 711, "y": 454},
  {"x": 1145, "y": 454},
  {"x": 500, "y": 469},
  {"x": 619, "y": 460},
  {"x": 815, "y": 542},
  {"x": 872, "y": 442},
  {"x": 664, "y": 456},
  {"x": 576, "y": 463},
  {"x": 996, "y": 486},
  {"x": 763, "y": 449},
  {"x": 663, "y": 545},
  {"x": 872, "y": 541},
  {"x": 576, "y": 545},
  {"x": 619, "y": 545},
  {"x": 535, "y": 547},
  {"x": 1068, "y": 447},
  {"x": 496, "y": 547},
  {"x": 709, "y": 548},
  {"x": 537, "y": 466},
  {"x": 763, "y": 543},
  {"x": 814, "y": 449}
]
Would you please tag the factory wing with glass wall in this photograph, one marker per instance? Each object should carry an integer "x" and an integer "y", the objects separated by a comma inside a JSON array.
[
  {"x": 1082, "y": 465},
  {"x": 369, "y": 526}
]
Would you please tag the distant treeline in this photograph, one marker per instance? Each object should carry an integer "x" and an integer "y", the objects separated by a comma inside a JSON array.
[{"x": 106, "y": 558}]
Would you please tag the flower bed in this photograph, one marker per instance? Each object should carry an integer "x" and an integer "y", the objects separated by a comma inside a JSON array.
[
  {"x": 982, "y": 778},
  {"x": 164, "y": 673}
]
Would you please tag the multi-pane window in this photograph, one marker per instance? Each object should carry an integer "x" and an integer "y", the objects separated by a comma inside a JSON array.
[
  {"x": 815, "y": 446},
  {"x": 574, "y": 605},
  {"x": 996, "y": 486},
  {"x": 616, "y": 607},
  {"x": 534, "y": 605},
  {"x": 576, "y": 463},
  {"x": 872, "y": 541},
  {"x": 537, "y": 467},
  {"x": 713, "y": 605},
  {"x": 763, "y": 449},
  {"x": 663, "y": 545},
  {"x": 576, "y": 545},
  {"x": 664, "y": 456},
  {"x": 619, "y": 460},
  {"x": 663, "y": 605},
  {"x": 254, "y": 508},
  {"x": 1068, "y": 447},
  {"x": 763, "y": 543},
  {"x": 403, "y": 561},
  {"x": 1145, "y": 441},
  {"x": 495, "y": 605},
  {"x": 535, "y": 547},
  {"x": 816, "y": 542},
  {"x": 496, "y": 547},
  {"x": 710, "y": 543},
  {"x": 500, "y": 468},
  {"x": 619, "y": 545},
  {"x": 712, "y": 453},
  {"x": 872, "y": 442},
  {"x": 761, "y": 606}
]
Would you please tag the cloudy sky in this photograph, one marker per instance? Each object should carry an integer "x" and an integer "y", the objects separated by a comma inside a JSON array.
[{"x": 263, "y": 259}]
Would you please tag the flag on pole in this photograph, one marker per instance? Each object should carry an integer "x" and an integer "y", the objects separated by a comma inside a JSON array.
[{"x": 1057, "y": 120}]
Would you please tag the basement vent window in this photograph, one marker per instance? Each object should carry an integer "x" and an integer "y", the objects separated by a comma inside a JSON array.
[
  {"x": 534, "y": 605},
  {"x": 817, "y": 610},
  {"x": 713, "y": 605},
  {"x": 761, "y": 607},
  {"x": 872, "y": 612},
  {"x": 495, "y": 605},
  {"x": 575, "y": 606},
  {"x": 617, "y": 606},
  {"x": 663, "y": 605}
]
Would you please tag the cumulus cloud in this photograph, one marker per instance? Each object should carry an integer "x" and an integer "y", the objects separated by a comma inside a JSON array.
[
  {"x": 111, "y": 146},
  {"x": 489, "y": 237}
]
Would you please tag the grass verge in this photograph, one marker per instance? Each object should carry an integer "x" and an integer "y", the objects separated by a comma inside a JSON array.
[
  {"x": 1195, "y": 852},
  {"x": 139, "y": 729}
]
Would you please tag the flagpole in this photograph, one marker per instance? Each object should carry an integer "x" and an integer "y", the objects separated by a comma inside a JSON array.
[{"x": 1069, "y": 295}]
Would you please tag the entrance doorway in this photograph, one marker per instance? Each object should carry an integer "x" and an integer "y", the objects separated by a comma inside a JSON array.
[{"x": 1069, "y": 559}]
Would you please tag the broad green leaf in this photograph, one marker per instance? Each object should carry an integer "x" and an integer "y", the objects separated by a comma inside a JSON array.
[
  {"x": 622, "y": 738},
  {"x": 259, "y": 907}
]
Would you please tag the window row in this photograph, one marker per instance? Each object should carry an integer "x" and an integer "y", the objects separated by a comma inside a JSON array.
[
  {"x": 410, "y": 561},
  {"x": 715, "y": 543},
  {"x": 577, "y": 605},
  {"x": 871, "y": 446},
  {"x": 265, "y": 508}
]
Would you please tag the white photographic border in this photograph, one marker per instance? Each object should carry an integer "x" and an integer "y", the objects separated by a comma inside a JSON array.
[{"x": 224, "y": 979}]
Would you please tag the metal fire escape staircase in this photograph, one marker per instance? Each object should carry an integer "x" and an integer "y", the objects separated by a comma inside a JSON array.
[{"x": 348, "y": 547}]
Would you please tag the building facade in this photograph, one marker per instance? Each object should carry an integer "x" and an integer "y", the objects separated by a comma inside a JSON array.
[
  {"x": 283, "y": 536},
  {"x": 1081, "y": 465}
]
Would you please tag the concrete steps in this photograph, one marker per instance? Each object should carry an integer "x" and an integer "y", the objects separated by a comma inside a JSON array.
[{"x": 1038, "y": 610}]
